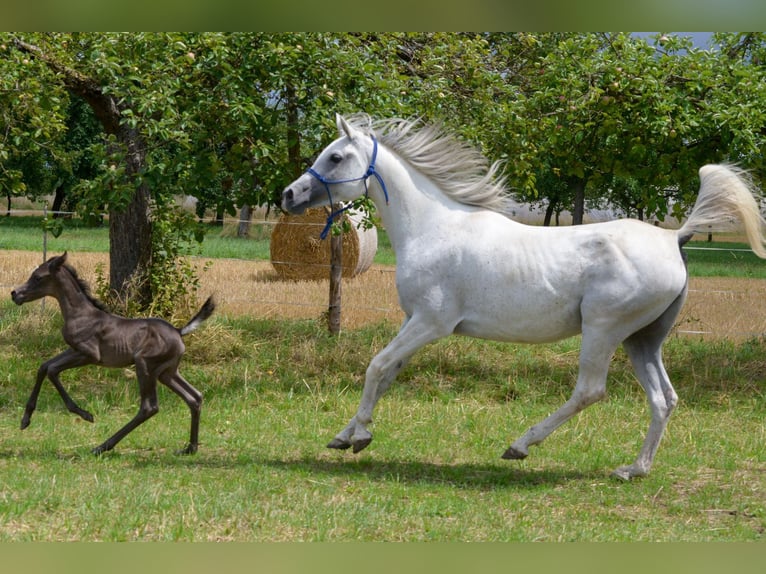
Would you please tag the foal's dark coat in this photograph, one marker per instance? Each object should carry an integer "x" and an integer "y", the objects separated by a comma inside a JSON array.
[{"x": 97, "y": 337}]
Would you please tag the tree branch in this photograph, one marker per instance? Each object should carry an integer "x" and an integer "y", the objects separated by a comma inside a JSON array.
[{"x": 78, "y": 84}]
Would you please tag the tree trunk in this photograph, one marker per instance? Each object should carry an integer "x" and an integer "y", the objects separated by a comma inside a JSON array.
[
  {"x": 245, "y": 220},
  {"x": 130, "y": 228},
  {"x": 578, "y": 211},
  {"x": 549, "y": 213},
  {"x": 293, "y": 135},
  {"x": 58, "y": 201}
]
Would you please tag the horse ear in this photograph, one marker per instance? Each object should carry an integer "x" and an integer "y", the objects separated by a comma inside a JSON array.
[
  {"x": 57, "y": 262},
  {"x": 343, "y": 127}
]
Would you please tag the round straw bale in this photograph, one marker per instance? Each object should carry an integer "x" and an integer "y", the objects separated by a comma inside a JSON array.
[{"x": 297, "y": 252}]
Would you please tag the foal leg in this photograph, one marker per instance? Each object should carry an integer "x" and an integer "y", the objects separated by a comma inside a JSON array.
[
  {"x": 147, "y": 385},
  {"x": 193, "y": 398},
  {"x": 51, "y": 368},
  {"x": 595, "y": 356},
  {"x": 381, "y": 372},
  {"x": 645, "y": 351}
]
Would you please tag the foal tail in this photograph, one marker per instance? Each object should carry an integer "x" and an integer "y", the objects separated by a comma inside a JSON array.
[
  {"x": 205, "y": 312},
  {"x": 726, "y": 195}
]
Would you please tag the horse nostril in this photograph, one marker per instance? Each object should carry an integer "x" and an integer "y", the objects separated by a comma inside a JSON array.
[{"x": 289, "y": 194}]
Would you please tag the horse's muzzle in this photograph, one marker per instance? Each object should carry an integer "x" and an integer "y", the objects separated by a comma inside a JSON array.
[
  {"x": 17, "y": 298},
  {"x": 290, "y": 204}
]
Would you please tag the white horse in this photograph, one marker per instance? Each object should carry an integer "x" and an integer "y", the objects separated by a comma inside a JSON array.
[{"x": 464, "y": 267}]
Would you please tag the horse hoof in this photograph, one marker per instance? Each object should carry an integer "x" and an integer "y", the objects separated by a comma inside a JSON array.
[
  {"x": 189, "y": 449},
  {"x": 514, "y": 454},
  {"x": 621, "y": 474},
  {"x": 85, "y": 415},
  {"x": 24, "y": 423},
  {"x": 339, "y": 444},
  {"x": 626, "y": 473},
  {"x": 361, "y": 444},
  {"x": 101, "y": 449}
]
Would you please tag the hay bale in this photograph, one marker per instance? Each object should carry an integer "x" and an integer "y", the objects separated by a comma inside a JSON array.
[{"x": 297, "y": 252}]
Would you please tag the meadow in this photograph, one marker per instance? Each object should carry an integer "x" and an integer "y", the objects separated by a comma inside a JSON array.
[{"x": 277, "y": 388}]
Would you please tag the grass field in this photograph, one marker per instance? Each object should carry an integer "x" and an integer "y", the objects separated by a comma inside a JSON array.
[{"x": 278, "y": 387}]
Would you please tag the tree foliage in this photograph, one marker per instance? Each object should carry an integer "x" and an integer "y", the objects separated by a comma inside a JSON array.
[{"x": 230, "y": 118}]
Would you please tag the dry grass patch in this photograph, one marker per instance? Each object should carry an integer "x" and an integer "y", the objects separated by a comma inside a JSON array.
[{"x": 731, "y": 308}]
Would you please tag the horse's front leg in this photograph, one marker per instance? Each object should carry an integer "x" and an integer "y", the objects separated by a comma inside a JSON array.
[
  {"x": 380, "y": 374},
  {"x": 51, "y": 369}
]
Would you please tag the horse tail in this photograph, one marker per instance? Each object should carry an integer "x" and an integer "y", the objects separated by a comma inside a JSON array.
[
  {"x": 205, "y": 312},
  {"x": 727, "y": 195}
]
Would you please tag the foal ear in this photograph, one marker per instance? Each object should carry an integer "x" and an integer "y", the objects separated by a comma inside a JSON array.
[
  {"x": 343, "y": 127},
  {"x": 57, "y": 262}
]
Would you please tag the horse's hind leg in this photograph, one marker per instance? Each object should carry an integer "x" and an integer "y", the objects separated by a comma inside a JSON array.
[
  {"x": 51, "y": 368},
  {"x": 148, "y": 408},
  {"x": 645, "y": 351},
  {"x": 595, "y": 355},
  {"x": 193, "y": 398}
]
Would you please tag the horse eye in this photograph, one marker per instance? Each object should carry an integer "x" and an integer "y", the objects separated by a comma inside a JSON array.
[{"x": 336, "y": 158}]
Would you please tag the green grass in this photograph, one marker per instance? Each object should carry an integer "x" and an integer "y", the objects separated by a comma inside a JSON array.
[
  {"x": 716, "y": 259},
  {"x": 280, "y": 390},
  {"x": 276, "y": 391},
  {"x": 25, "y": 233}
]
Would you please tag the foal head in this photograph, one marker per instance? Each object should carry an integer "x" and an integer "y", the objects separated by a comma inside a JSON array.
[{"x": 43, "y": 281}]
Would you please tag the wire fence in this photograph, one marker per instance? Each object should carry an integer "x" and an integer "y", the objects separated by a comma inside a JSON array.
[{"x": 740, "y": 305}]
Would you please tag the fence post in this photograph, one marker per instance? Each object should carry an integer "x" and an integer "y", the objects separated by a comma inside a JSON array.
[
  {"x": 336, "y": 276},
  {"x": 45, "y": 244}
]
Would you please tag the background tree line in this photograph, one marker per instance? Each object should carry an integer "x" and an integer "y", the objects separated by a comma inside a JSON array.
[{"x": 123, "y": 123}]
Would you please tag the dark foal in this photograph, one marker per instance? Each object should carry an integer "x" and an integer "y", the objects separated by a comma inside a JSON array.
[{"x": 97, "y": 337}]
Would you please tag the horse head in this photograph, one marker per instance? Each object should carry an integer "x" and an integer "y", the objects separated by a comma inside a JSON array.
[
  {"x": 339, "y": 174},
  {"x": 41, "y": 283}
]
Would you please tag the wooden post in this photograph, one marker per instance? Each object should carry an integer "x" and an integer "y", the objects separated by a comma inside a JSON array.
[{"x": 336, "y": 276}]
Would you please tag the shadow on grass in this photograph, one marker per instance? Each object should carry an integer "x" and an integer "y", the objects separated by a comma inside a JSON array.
[{"x": 473, "y": 476}]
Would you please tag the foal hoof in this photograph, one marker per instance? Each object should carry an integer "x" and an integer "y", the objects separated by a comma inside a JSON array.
[
  {"x": 188, "y": 449},
  {"x": 514, "y": 454}
]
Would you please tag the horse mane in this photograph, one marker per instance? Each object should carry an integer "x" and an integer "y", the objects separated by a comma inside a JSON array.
[
  {"x": 85, "y": 288},
  {"x": 460, "y": 170}
]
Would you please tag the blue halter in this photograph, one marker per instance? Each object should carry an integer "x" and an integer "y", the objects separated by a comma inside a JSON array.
[{"x": 327, "y": 182}]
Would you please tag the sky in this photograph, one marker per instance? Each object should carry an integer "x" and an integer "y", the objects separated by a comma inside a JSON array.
[{"x": 700, "y": 39}]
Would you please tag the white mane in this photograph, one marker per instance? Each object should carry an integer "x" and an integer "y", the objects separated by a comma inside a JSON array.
[{"x": 459, "y": 169}]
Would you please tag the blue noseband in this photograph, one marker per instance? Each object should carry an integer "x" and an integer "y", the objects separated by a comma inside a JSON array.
[{"x": 371, "y": 172}]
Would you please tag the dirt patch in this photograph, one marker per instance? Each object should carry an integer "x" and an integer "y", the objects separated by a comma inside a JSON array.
[{"x": 716, "y": 307}]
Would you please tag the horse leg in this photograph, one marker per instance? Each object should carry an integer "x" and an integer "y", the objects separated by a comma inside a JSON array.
[
  {"x": 147, "y": 385},
  {"x": 380, "y": 374},
  {"x": 595, "y": 355},
  {"x": 51, "y": 368},
  {"x": 644, "y": 348},
  {"x": 193, "y": 398}
]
